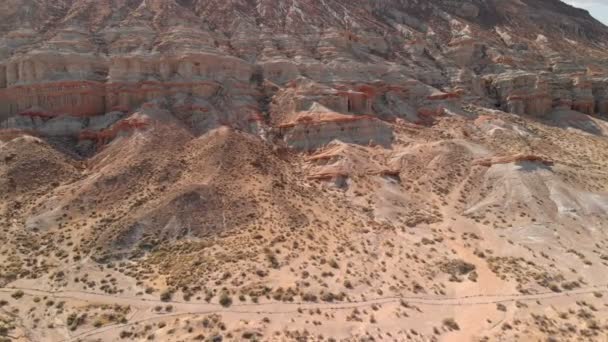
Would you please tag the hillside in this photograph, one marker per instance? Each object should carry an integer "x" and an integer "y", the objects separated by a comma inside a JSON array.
[{"x": 305, "y": 170}]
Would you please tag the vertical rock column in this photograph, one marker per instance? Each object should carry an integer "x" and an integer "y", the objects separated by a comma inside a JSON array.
[
  {"x": 165, "y": 70},
  {"x": 27, "y": 71},
  {"x": 600, "y": 93},
  {"x": 12, "y": 74},
  {"x": 4, "y": 103},
  {"x": 540, "y": 103},
  {"x": 358, "y": 103},
  {"x": 2, "y": 76},
  {"x": 583, "y": 100}
]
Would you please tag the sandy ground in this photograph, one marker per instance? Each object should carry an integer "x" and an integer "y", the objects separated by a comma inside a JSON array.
[
  {"x": 470, "y": 309},
  {"x": 418, "y": 242}
]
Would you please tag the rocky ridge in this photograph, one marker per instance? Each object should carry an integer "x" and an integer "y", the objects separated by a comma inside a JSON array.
[
  {"x": 248, "y": 64},
  {"x": 302, "y": 170}
]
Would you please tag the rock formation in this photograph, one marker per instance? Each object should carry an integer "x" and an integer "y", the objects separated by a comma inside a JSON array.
[
  {"x": 217, "y": 65},
  {"x": 303, "y": 170}
]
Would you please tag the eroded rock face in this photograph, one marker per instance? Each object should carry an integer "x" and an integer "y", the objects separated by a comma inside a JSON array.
[
  {"x": 212, "y": 64},
  {"x": 303, "y": 151}
]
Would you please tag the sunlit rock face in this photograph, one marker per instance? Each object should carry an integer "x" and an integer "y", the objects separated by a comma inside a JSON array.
[
  {"x": 334, "y": 155},
  {"x": 252, "y": 64}
]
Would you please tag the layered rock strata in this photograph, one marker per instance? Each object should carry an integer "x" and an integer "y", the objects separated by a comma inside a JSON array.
[{"x": 250, "y": 66}]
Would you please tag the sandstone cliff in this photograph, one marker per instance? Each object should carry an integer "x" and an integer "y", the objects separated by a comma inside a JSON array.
[
  {"x": 303, "y": 170},
  {"x": 248, "y": 64}
]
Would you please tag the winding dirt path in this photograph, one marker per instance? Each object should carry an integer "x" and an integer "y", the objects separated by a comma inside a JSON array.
[{"x": 182, "y": 308}]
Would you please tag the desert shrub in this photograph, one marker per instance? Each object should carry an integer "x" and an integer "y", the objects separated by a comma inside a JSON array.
[
  {"x": 17, "y": 294},
  {"x": 225, "y": 299},
  {"x": 451, "y": 324},
  {"x": 166, "y": 295}
]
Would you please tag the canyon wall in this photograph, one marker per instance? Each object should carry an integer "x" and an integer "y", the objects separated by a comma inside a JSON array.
[{"x": 211, "y": 63}]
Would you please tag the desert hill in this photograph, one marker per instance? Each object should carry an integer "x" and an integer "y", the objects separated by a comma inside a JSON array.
[{"x": 304, "y": 170}]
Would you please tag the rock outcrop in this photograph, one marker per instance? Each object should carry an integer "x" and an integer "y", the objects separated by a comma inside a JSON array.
[
  {"x": 211, "y": 63},
  {"x": 518, "y": 158},
  {"x": 282, "y": 154},
  {"x": 539, "y": 94}
]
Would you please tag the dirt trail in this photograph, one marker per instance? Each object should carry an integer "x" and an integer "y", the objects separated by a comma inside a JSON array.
[
  {"x": 143, "y": 307},
  {"x": 480, "y": 299}
]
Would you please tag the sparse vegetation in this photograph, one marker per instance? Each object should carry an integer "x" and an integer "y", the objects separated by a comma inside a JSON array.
[
  {"x": 74, "y": 320},
  {"x": 451, "y": 324},
  {"x": 17, "y": 294},
  {"x": 303, "y": 186},
  {"x": 166, "y": 295},
  {"x": 225, "y": 299}
]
